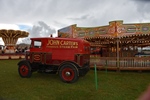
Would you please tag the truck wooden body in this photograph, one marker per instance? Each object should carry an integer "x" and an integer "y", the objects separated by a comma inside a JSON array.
[{"x": 69, "y": 57}]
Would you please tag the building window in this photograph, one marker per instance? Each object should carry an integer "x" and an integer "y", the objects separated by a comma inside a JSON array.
[
  {"x": 131, "y": 30},
  {"x": 144, "y": 28},
  {"x": 91, "y": 32},
  {"x": 37, "y": 44},
  {"x": 81, "y": 34}
]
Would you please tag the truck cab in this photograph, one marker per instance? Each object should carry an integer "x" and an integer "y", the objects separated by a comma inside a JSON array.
[{"x": 69, "y": 57}]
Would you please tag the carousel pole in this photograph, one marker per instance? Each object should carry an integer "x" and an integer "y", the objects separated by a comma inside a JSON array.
[
  {"x": 118, "y": 69},
  {"x": 116, "y": 33}
]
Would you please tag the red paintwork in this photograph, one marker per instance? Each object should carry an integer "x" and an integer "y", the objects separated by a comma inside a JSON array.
[
  {"x": 24, "y": 70},
  {"x": 56, "y": 50},
  {"x": 69, "y": 77}
]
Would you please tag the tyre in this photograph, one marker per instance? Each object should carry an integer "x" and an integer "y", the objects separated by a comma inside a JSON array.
[
  {"x": 24, "y": 69},
  {"x": 68, "y": 73}
]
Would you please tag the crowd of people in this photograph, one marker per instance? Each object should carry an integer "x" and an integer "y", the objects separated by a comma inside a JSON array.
[{"x": 18, "y": 49}]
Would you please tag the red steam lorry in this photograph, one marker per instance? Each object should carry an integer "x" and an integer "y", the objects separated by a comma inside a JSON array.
[{"x": 68, "y": 57}]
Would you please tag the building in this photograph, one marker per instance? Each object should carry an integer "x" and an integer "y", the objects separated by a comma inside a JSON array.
[{"x": 118, "y": 43}]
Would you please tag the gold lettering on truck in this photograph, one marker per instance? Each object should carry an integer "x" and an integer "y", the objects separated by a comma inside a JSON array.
[
  {"x": 62, "y": 44},
  {"x": 53, "y": 42}
]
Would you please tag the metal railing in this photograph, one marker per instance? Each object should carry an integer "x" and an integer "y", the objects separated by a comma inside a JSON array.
[{"x": 125, "y": 63}]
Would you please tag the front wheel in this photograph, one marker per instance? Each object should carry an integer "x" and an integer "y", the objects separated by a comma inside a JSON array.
[
  {"x": 68, "y": 73},
  {"x": 24, "y": 69}
]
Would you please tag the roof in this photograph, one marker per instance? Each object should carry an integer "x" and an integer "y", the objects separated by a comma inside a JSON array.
[{"x": 124, "y": 40}]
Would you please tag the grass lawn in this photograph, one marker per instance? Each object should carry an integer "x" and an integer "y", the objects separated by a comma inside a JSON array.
[{"x": 111, "y": 85}]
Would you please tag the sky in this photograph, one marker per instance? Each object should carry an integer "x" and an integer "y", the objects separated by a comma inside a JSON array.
[{"x": 44, "y": 17}]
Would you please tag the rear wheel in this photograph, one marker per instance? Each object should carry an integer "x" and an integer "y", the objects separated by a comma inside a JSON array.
[
  {"x": 24, "y": 69},
  {"x": 68, "y": 73}
]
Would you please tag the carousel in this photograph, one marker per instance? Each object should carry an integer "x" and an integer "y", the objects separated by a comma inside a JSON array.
[
  {"x": 10, "y": 38},
  {"x": 116, "y": 46}
]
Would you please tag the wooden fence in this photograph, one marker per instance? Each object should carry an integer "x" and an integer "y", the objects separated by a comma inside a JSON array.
[
  {"x": 12, "y": 56},
  {"x": 124, "y": 63}
]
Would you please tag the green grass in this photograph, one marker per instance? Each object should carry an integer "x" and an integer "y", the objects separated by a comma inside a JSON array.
[{"x": 111, "y": 85}]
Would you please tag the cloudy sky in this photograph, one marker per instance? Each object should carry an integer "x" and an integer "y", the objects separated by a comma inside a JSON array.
[{"x": 43, "y": 17}]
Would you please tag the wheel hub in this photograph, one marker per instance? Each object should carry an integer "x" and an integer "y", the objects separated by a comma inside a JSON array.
[
  {"x": 23, "y": 70},
  {"x": 67, "y": 73}
]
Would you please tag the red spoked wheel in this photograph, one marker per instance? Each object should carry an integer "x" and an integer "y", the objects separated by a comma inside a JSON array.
[
  {"x": 68, "y": 73},
  {"x": 24, "y": 69}
]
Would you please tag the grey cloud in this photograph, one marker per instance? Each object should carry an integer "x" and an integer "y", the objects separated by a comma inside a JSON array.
[
  {"x": 60, "y": 24},
  {"x": 83, "y": 17},
  {"x": 142, "y": 7},
  {"x": 41, "y": 29},
  {"x": 144, "y": 1},
  {"x": 65, "y": 12},
  {"x": 47, "y": 10},
  {"x": 62, "y": 13}
]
